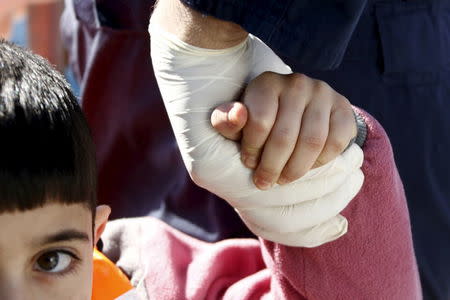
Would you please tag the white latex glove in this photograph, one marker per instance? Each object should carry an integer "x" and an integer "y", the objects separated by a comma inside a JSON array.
[
  {"x": 193, "y": 81},
  {"x": 130, "y": 295}
]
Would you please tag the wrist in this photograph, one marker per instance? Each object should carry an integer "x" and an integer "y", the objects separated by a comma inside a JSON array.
[{"x": 196, "y": 29}]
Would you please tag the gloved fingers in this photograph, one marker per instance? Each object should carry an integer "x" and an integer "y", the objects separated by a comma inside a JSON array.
[
  {"x": 317, "y": 235},
  {"x": 293, "y": 193},
  {"x": 351, "y": 159},
  {"x": 293, "y": 218},
  {"x": 211, "y": 155},
  {"x": 210, "y": 172}
]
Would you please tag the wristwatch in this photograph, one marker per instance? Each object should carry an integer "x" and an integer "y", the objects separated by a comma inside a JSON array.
[
  {"x": 361, "y": 134},
  {"x": 362, "y": 129}
]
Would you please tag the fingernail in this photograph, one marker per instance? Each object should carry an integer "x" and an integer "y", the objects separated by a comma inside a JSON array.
[
  {"x": 282, "y": 181},
  {"x": 263, "y": 184},
  {"x": 250, "y": 161},
  {"x": 233, "y": 117}
]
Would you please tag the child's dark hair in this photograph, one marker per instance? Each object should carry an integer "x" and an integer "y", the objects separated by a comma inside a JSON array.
[{"x": 46, "y": 150}]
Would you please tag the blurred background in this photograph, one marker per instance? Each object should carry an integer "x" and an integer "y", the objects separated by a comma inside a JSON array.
[{"x": 34, "y": 24}]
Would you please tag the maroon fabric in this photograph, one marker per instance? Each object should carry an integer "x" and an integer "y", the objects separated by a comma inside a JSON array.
[{"x": 140, "y": 168}]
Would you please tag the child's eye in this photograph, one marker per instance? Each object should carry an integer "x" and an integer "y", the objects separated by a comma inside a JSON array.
[{"x": 54, "y": 261}]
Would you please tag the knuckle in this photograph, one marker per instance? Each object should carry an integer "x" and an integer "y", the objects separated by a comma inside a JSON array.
[
  {"x": 266, "y": 75},
  {"x": 336, "y": 146},
  {"x": 314, "y": 143},
  {"x": 283, "y": 137},
  {"x": 319, "y": 162},
  {"x": 197, "y": 178},
  {"x": 264, "y": 80},
  {"x": 298, "y": 80},
  {"x": 344, "y": 117},
  {"x": 250, "y": 151},
  {"x": 322, "y": 86},
  {"x": 261, "y": 127},
  {"x": 343, "y": 114},
  {"x": 344, "y": 109},
  {"x": 343, "y": 101},
  {"x": 261, "y": 89},
  {"x": 199, "y": 172}
]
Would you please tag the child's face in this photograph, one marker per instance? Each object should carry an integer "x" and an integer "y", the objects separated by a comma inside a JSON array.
[{"x": 46, "y": 253}]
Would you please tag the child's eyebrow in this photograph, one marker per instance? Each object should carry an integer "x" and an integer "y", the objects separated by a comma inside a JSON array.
[{"x": 64, "y": 236}]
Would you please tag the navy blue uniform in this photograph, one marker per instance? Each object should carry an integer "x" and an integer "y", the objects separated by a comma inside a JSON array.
[{"x": 390, "y": 57}]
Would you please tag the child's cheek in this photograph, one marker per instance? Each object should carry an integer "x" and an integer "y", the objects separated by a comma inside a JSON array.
[{"x": 75, "y": 285}]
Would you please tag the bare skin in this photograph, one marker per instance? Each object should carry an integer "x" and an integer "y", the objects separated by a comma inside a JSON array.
[{"x": 46, "y": 253}]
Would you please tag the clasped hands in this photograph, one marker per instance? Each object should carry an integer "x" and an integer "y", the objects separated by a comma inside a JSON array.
[{"x": 286, "y": 125}]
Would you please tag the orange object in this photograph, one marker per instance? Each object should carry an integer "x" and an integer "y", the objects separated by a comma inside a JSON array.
[{"x": 109, "y": 281}]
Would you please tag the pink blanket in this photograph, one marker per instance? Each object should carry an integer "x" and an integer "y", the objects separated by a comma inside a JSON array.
[{"x": 374, "y": 260}]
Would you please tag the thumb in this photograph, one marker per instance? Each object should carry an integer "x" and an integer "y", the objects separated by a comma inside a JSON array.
[{"x": 229, "y": 119}]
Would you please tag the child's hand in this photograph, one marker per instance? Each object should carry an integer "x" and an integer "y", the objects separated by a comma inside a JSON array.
[{"x": 289, "y": 124}]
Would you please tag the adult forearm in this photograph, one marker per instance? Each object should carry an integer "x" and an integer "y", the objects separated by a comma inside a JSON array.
[{"x": 194, "y": 28}]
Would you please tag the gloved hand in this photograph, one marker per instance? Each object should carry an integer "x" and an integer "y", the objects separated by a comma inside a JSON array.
[{"x": 193, "y": 81}]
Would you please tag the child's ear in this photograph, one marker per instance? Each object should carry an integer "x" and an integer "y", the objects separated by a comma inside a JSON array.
[{"x": 101, "y": 218}]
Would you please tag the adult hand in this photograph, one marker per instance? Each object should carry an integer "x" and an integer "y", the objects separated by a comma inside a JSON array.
[
  {"x": 305, "y": 212},
  {"x": 289, "y": 124}
]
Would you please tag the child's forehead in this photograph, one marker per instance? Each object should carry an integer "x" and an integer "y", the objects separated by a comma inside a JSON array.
[{"x": 35, "y": 226}]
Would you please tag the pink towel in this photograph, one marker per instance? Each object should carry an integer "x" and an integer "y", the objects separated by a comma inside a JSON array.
[{"x": 374, "y": 260}]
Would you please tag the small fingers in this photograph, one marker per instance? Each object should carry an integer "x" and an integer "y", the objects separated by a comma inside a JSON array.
[
  {"x": 299, "y": 216},
  {"x": 283, "y": 137},
  {"x": 261, "y": 99},
  {"x": 342, "y": 130},
  {"x": 312, "y": 137}
]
